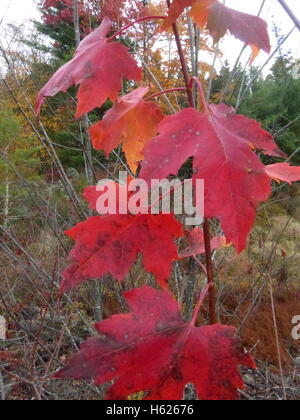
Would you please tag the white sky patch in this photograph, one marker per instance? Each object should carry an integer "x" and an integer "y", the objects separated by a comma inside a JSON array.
[
  {"x": 273, "y": 13},
  {"x": 18, "y": 11}
]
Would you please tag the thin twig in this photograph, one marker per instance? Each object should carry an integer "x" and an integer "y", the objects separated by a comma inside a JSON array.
[
  {"x": 290, "y": 13},
  {"x": 277, "y": 340}
]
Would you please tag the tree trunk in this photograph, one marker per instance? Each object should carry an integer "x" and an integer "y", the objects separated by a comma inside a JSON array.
[
  {"x": 84, "y": 121},
  {"x": 6, "y": 200}
]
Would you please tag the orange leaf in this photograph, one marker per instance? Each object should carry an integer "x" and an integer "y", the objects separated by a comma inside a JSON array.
[
  {"x": 177, "y": 7},
  {"x": 131, "y": 121}
]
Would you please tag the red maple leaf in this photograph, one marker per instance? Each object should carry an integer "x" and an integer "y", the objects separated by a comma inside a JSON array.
[
  {"x": 98, "y": 66},
  {"x": 219, "y": 19},
  {"x": 221, "y": 144},
  {"x": 110, "y": 244},
  {"x": 133, "y": 122},
  {"x": 195, "y": 242},
  {"x": 153, "y": 350}
]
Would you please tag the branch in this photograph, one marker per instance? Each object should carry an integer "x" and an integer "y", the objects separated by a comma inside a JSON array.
[
  {"x": 290, "y": 13},
  {"x": 163, "y": 92},
  {"x": 209, "y": 263},
  {"x": 143, "y": 19},
  {"x": 210, "y": 273},
  {"x": 183, "y": 62}
]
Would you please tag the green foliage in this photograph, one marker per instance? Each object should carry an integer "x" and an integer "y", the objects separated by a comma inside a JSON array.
[
  {"x": 9, "y": 128},
  {"x": 275, "y": 102}
]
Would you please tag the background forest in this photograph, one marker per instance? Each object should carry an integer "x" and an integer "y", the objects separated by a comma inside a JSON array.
[{"x": 45, "y": 165}]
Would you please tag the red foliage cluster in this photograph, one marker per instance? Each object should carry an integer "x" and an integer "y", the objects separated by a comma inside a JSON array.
[
  {"x": 55, "y": 12},
  {"x": 114, "y": 9}
]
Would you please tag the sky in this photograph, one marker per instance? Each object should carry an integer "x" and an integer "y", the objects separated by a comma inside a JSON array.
[
  {"x": 18, "y": 11},
  {"x": 272, "y": 13}
]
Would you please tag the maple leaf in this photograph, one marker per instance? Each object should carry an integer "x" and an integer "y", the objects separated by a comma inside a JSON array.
[
  {"x": 151, "y": 349},
  {"x": 219, "y": 19},
  {"x": 98, "y": 66},
  {"x": 196, "y": 246},
  {"x": 131, "y": 121},
  {"x": 221, "y": 144},
  {"x": 110, "y": 244}
]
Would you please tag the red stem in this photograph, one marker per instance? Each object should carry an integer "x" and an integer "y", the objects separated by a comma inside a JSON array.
[
  {"x": 181, "y": 89},
  {"x": 143, "y": 19},
  {"x": 210, "y": 274},
  {"x": 199, "y": 85},
  {"x": 209, "y": 263},
  {"x": 183, "y": 62},
  {"x": 200, "y": 303}
]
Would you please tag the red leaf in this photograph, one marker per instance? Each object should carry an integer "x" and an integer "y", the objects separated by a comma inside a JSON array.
[
  {"x": 98, "y": 66},
  {"x": 153, "y": 350},
  {"x": 111, "y": 244},
  {"x": 283, "y": 172},
  {"x": 196, "y": 246},
  {"x": 221, "y": 144},
  {"x": 131, "y": 121},
  {"x": 219, "y": 19},
  {"x": 249, "y": 129}
]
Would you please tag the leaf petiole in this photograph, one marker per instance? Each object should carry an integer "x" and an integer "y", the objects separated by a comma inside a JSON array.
[
  {"x": 202, "y": 96},
  {"x": 202, "y": 296},
  {"x": 163, "y": 92},
  {"x": 143, "y": 19}
]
